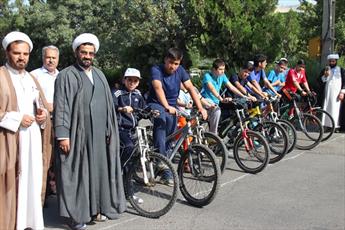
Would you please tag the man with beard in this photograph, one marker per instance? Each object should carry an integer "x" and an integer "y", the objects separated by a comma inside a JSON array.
[
  {"x": 46, "y": 76},
  {"x": 88, "y": 170},
  {"x": 22, "y": 116},
  {"x": 333, "y": 79}
]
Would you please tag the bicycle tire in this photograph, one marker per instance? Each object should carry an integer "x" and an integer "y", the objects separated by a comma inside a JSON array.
[
  {"x": 276, "y": 138},
  {"x": 327, "y": 131},
  {"x": 311, "y": 125},
  {"x": 291, "y": 133},
  {"x": 198, "y": 185},
  {"x": 157, "y": 198},
  {"x": 215, "y": 143},
  {"x": 260, "y": 160}
]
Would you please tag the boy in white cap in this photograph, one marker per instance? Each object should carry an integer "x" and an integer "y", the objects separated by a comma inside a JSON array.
[
  {"x": 333, "y": 79},
  {"x": 88, "y": 170},
  {"x": 22, "y": 117},
  {"x": 126, "y": 100}
]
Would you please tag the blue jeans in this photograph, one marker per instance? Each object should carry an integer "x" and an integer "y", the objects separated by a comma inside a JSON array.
[{"x": 163, "y": 126}]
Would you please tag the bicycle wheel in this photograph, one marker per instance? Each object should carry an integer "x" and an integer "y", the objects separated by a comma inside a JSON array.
[
  {"x": 276, "y": 138},
  {"x": 309, "y": 131},
  {"x": 199, "y": 175},
  {"x": 217, "y": 146},
  {"x": 251, "y": 152},
  {"x": 326, "y": 119},
  {"x": 151, "y": 199},
  {"x": 291, "y": 133}
]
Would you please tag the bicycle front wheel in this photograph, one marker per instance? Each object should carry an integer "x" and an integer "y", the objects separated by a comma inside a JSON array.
[
  {"x": 309, "y": 131},
  {"x": 199, "y": 175},
  {"x": 251, "y": 152},
  {"x": 327, "y": 121},
  {"x": 215, "y": 143},
  {"x": 151, "y": 198}
]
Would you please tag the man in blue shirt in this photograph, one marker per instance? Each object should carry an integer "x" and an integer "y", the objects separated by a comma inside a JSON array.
[
  {"x": 164, "y": 91},
  {"x": 211, "y": 85},
  {"x": 258, "y": 75},
  {"x": 241, "y": 82},
  {"x": 276, "y": 77}
]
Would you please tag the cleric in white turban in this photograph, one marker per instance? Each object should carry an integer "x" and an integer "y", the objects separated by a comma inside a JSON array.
[
  {"x": 16, "y": 36},
  {"x": 88, "y": 140},
  {"x": 333, "y": 79},
  {"x": 85, "y": 38},
  {"x": 333, "y": 56}
]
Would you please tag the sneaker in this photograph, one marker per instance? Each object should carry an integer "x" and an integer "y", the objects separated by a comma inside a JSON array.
[
  {"x": 257, "y": 144},
  {"x": 138, "y": 200},
  {"x": 167, "y": 181},
  {"x": 161, "y": 167},
  {"x": 101, "y": 218}
]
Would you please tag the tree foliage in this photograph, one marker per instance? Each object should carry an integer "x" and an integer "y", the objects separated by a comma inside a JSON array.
[{"x": 138, "y": 32}]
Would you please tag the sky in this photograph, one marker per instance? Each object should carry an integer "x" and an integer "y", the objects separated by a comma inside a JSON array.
[{"x": 289, "y": 2}]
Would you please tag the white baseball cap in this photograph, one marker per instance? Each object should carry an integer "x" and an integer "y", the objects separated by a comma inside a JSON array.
[{"x": 131, "y": 72}]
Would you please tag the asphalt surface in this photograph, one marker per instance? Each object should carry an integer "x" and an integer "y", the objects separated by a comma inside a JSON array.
[{"x": 305, "y": 190}]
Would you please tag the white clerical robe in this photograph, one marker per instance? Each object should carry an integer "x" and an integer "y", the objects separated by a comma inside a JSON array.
[
  {"x": 331, "y": 103},
  {"x": 29, "y": 208}
]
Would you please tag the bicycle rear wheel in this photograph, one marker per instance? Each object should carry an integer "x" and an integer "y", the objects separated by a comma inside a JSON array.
[
  {"x": 215, "y": 143},
  {"x": 251, "y": 153},
  {"x": 291, "y": 133},
  {"x": 325, "y": 118},
  {"x": 199, "y": 175},
  {"x": 152, "y": 199},
  {"x": 309, "y": 131}
]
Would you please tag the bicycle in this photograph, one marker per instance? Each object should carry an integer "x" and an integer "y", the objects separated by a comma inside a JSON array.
[
  {"x": 198, "y": 169},
  {"x": 322, "y": 115},
  {"x": 142, "y": 184},
  {"x": 270, "y": 114},
  {"x": 250, "y": 148},
  {"x": 308, "y": 127},
  {"x": 211, "y": 140}
]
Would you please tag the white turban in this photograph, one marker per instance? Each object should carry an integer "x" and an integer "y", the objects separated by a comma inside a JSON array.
[
  {"x": 16, "y": 36},
  {"x": 332, "y": 56},
  {"x": 85, "y": 38}
]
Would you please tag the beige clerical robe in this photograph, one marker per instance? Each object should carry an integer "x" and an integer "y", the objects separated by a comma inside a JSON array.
[{"x": 9, "y": 165}]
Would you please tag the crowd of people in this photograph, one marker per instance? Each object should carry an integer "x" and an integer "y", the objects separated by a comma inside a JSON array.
[{"x": 66, "y": 133}]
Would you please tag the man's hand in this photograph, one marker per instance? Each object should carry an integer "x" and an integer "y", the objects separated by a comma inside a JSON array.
[
  {"x": 226, "y": 100},
  {"x": 253, "y": 99},
  {"x": 41, "y": 116},
  {"x": 27, "y": 121},
  {"x": 304, "y": 93},
  {"x": 64, "y": 145},
  {"x": 127, "y": 109},
  {"x": 341, "y": 96},
  {"x": 171, "y": 110},
  {"x": 203, "y": 114}
]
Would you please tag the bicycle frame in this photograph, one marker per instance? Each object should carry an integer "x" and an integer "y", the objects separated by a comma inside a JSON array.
[{"x": 143, "y": 148}]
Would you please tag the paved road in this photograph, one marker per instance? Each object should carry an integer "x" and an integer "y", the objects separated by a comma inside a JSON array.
[{"x": 306, "y": 190}]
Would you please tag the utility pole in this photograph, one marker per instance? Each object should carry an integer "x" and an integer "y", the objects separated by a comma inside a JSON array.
[{"x": 328, "y": 29}]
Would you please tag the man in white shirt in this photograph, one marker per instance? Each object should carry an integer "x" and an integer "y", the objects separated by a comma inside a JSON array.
[{"x": 46, "y": 76}]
